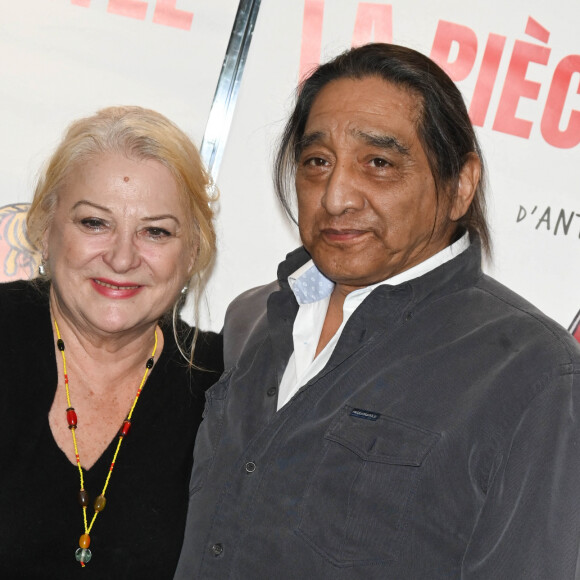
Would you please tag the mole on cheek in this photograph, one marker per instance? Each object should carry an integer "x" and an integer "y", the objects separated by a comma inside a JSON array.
[{"x": 125, "y": 179}]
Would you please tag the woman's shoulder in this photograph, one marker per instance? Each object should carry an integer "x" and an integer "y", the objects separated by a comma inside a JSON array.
[
  {"x": 22, "y": 287},
  {"x": 25, "y": 320},
  {"x": 22, "y": 295},
  {"x": 208, "y": 351}
]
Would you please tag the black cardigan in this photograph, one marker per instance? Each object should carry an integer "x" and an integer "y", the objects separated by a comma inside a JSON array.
[{"x": 139, "y": 533}]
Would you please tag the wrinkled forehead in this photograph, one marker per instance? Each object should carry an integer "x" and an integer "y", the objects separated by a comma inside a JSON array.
[
  {"x": 368, "y": 91},
  {"x": 368, "y": 105},
  {"x": 369, "y": 109}
]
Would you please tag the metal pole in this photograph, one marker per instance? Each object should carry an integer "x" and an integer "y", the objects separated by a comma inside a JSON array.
[{"x": 226, "y": 94}]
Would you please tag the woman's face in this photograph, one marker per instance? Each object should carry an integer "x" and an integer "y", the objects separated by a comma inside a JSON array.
[{"x": 117, "y": 247}]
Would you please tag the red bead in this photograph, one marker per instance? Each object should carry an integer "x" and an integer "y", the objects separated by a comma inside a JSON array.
[
  {"x": 125, "y": 428},
  {"x": 71, "y": 418}
]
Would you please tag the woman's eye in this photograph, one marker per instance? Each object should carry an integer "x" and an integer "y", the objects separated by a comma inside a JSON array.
[
  {"x": 94, "y": 224},
  {"x": 157, "y": 233}
]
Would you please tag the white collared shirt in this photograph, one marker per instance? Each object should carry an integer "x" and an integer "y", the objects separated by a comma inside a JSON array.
[{"x": 312, "y": 290}]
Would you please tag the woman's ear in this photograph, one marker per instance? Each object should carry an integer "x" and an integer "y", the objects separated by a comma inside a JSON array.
[
  {"x": 466, "y": 186},
  {"x": 193, "y": 258},
  {"x": 44, "y": 248}
]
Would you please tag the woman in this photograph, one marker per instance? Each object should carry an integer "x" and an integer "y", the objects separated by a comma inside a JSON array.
[{"x": 98, "y": 407}]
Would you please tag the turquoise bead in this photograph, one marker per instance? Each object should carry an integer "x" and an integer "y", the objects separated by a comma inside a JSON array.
[{"x": 83, "y": 555}]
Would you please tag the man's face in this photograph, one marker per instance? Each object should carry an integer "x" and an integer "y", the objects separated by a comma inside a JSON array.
[{"x": 367, "y": 207}]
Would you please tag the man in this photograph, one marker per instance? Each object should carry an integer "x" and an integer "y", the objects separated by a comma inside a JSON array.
[{"x": 390, "y": 411}]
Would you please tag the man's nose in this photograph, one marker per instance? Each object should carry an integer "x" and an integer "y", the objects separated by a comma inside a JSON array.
[
  {"x": 123, "y": 254},
  {"x": 342, "y": 191}
]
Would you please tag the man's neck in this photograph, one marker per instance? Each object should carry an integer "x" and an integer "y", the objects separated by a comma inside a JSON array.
[{"x": 333, "y": 318}]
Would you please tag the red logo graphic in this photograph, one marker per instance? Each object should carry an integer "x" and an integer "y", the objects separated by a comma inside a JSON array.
[
  {"x": 17, "y": 258},
  {"x": 165, "y": 11},
  {"x": 575, "y": 327},
  {"x": 456, "y": 48}
]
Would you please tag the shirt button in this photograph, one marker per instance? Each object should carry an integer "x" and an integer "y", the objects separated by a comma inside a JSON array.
[
  {"x": 217, "y": 550},
  {"x": 250, "y": 467},
  {"x": 271, "y": 391}
]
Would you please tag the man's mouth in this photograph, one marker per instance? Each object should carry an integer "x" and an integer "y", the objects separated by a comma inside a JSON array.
[{"x": 343, "y": 234}]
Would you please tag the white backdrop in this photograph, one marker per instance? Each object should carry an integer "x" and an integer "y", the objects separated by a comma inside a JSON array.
[{"x": 517, "y": 65}]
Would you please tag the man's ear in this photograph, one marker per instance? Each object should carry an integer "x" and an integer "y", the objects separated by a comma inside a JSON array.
[{"x": 466, "y": 186}]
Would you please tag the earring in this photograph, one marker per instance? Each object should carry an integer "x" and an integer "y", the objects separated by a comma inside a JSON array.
[
  {"x": 185, "y": 289},
  {"x": 42, "y": 268}
]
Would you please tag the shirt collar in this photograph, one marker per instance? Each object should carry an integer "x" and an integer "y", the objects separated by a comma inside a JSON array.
[{"x": 310, "y": 285}]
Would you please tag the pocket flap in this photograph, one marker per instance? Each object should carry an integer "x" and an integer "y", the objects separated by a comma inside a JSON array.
[{"x": 380, "y": 438}]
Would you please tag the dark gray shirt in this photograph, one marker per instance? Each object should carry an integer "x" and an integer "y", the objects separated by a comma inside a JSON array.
[{"x": 441, "y": 440}]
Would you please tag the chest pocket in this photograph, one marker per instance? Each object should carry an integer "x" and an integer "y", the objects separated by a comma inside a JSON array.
[
  {"x": 209, "y": 433},
  {"x": 360, "y": 498}
]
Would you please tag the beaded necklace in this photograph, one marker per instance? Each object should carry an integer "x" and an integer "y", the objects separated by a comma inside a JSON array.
[{"x": 83, "y": 554}]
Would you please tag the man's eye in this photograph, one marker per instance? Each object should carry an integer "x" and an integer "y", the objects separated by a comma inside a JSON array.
[
  {"x": 316, "y": 162},
  {"x": 379, "y": 162}
]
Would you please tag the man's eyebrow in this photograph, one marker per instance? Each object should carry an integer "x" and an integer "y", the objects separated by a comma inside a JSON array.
[
  {"x": 376, "y": 140},
  {"x": 382, "y": 141},
  {"x": 307, "y": 140}
]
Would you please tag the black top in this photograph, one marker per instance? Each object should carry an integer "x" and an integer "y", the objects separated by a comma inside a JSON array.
[{"x": 139, "y": 533}]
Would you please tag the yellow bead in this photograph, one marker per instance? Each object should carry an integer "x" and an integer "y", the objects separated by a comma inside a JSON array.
[
  {"x": 100, "y": 502},
  {"x": 85, "y": 541}
]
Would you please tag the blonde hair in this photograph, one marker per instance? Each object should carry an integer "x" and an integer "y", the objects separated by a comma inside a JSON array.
[{"x": 137, "y": 133}]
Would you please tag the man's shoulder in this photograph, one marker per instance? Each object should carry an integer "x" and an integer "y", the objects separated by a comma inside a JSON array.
[
  {"x": 254, "y": 297},
  {"x": 244, "y": 317},
  {"x": 527, "y": 319}
]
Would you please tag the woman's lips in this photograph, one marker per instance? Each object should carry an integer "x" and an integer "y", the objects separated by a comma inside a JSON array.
[{"x": 113, "y": 289}]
